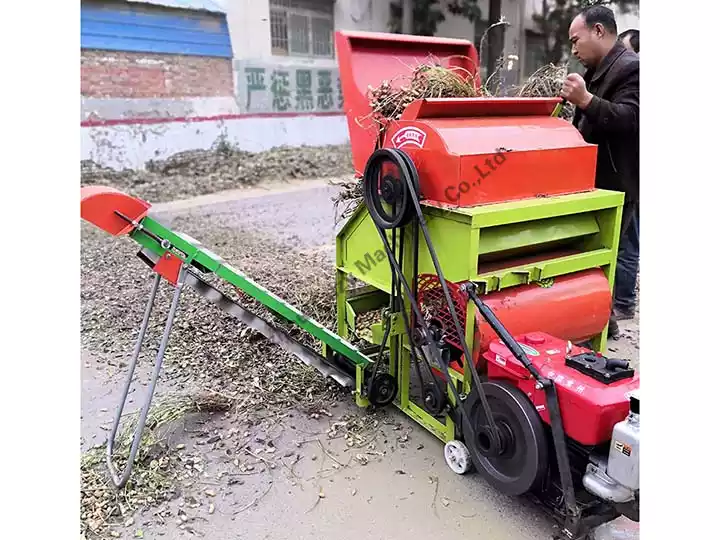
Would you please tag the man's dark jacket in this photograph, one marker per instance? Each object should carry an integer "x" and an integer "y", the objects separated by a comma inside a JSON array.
[{"x": 612, "y": 121}]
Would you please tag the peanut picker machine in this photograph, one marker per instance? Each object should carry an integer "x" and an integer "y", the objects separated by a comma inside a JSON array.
[{"x": 490, "y": 255}]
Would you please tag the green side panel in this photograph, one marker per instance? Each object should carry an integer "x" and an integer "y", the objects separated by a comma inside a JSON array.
[
  {"x": 451, "y": 240},
  {"x": 528, "y": 273},
  {"x": 431, "y": 423},
  {"x": 360, "y": 252},
  {"x": 491, "y": 215},
  {"x": 350, "y": 316},
  {"x": 364, "y": 299},
  {"x": 378, "y": 331},
  {"x": 506, "y": 238},
  {"x": 341, "y": 303},
  {"x": 461, "y": 235}
]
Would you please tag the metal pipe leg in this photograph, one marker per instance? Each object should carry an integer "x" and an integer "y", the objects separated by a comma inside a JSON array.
[
  {"x": 128, "y": 381},
  {"x": 120, "y": 482}
]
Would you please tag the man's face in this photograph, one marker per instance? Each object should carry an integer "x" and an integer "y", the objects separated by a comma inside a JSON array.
[{"x": 586, "y": 41}]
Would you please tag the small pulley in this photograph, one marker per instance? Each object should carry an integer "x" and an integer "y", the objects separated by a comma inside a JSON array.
[
  {"x": 383, "y": 389},
  {"x": 386, "y": 190},
  {"x": 434, "y": 399}
]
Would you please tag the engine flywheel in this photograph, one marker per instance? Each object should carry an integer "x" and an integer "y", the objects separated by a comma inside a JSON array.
[{"x": 518, "y": 461}]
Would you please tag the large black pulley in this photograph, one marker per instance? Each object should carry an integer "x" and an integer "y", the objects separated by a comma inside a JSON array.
[
  {"x": 389, "y": 175},
  {"x": 383, "y": 389},
  {"x": 515, "y": 461}
]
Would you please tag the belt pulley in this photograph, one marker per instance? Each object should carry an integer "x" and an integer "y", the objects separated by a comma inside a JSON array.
[{"x": 392, "y": 201}]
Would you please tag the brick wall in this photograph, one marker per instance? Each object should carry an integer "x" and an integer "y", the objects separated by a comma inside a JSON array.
[{"x": 111, "y": 74}]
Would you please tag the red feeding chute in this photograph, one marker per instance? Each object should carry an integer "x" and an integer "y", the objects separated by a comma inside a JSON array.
[
  {"x": 98, "y": 205},
  {"x": 369, "y": 58}
]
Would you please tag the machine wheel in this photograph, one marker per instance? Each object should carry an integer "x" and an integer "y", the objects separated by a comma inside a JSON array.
[
  {"x": 383, "y": 390},
  {"x": 457, "y": 457},
  {"x": 522, "y": 459}
]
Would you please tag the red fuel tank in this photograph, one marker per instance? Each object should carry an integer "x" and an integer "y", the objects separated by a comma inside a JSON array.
[{"x": 593, "y": 394}]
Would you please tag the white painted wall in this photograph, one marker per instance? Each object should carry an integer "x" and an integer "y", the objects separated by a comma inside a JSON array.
[
  {"x": 249, "y": 25},
  {"x": 132, "y": 146},
  {"x": 364, "y": 15}
]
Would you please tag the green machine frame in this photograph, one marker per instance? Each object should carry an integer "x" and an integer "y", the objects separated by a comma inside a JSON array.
[{"x": 590, "y": 222}]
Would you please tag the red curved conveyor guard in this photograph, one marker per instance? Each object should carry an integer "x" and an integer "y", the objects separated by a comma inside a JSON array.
[{"x": 99, "y": 203}]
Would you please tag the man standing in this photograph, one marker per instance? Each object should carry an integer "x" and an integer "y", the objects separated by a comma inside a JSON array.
[
  {"x": 607, "y": 113},
  {"x": 629, "y": 250}
]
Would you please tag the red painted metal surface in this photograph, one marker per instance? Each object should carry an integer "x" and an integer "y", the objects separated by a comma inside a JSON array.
[
  {"x": 168, "y": 266},
  {"x": 368, "y": 58},
  {"x": 99, "y": 203},
  {"x": 589, "y": 408},
  {"x": 487, "y": 150},
  {"x": 473, "y": 107}
]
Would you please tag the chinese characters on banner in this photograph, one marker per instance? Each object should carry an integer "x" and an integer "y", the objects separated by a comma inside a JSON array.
[{"x": 275, "y": 88}]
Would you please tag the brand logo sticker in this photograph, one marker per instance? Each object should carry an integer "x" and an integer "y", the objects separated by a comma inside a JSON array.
[{"x": 409, "y": 136}]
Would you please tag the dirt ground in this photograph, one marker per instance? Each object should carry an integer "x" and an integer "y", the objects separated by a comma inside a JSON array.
[{"x": 292, "y": 474}]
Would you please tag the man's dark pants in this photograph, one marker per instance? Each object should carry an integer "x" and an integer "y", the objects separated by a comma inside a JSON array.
[
  {"x": 627, "y": 265},
  {"x": 624, "y": 300}
]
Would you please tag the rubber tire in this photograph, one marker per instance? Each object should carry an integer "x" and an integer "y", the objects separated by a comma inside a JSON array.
[{"x": 533, "y": 434}]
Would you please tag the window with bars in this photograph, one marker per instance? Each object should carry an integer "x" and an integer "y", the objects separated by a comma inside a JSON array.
[{"x": 302, "y": 28}]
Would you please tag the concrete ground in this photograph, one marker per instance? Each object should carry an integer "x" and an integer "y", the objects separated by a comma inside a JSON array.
[{"x": 307, "y": 484}]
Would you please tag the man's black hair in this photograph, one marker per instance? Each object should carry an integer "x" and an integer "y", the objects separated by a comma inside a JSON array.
[
  {"x": 634, "y": 36},
  {"x": 600, "y": 14}
]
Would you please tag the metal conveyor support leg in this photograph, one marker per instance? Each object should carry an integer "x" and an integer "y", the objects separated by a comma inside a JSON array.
[{"x": 120, "y": 482}]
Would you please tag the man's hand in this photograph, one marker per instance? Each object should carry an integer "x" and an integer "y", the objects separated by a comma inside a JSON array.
[{"x": 575, "y": 92}]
